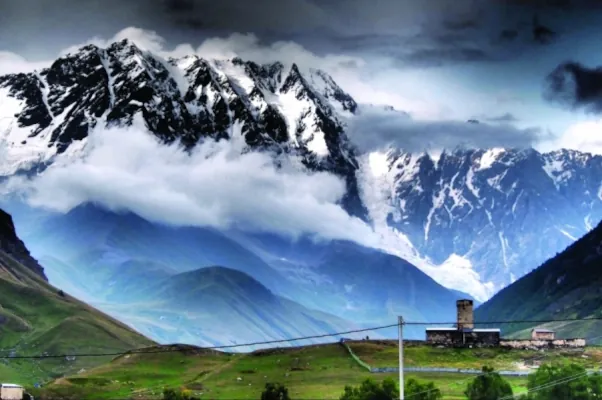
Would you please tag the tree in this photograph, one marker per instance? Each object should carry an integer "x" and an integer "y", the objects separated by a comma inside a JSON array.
[
  {"x": 275, "y": 392},
  {"x": 370, "y": 390},
  {"x": 388, "y": 390},
  {"x": 421, "y": 390},
  {"x": 564, "y": 381},
  {"x": 488, "y": 386}
]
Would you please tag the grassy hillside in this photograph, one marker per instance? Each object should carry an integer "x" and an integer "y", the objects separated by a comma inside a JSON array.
[
  {"x": 565, "y": 287},
  {"x": 36, "y": 319},
  {"x": 310, "y": 372}
]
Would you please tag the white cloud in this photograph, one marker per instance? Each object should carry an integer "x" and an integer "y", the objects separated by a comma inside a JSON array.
[
  {"x": 145, "y": 39},
  {"x": 584, "y": 136},
  {"x": 215, "y": 186},
  {"x": 11, "y": 63}
]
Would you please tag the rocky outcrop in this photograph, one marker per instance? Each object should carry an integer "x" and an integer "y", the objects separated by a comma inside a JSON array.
[{"x": 12, "y": 245}]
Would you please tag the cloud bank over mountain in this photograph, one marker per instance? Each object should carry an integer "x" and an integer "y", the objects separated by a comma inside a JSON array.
[
  {"x": 216, "y": 185},
  {"x": 376, "y": 128}
]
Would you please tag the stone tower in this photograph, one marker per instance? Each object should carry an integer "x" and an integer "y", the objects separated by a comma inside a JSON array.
[{"x": 465, "y": 314}]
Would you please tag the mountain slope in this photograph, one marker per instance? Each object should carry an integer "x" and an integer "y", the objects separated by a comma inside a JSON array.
[
  {"x": 504, "y": 210},
  {"x": 221, "y": 306},
  {"x": 35, "y": 318},
  {"x": 355, "y": 282},
  {"x": 565, "y": 287}
]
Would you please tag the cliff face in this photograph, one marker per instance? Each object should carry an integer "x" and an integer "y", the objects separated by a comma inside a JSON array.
[{"x": 12, "y": 245}]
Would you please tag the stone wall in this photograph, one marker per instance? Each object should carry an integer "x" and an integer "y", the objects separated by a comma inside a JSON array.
[
  {"x": 543, "y": 344},
  {"x": 445, "y": 338},
  {"x": 457, "y": 338}
]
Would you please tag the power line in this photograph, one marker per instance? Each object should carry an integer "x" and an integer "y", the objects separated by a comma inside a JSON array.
[
  {"x": 411, "y": 323},
  {"x": 142, "y": 351}
]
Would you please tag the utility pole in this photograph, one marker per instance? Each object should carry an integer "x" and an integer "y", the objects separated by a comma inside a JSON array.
[{"x": 401, "y": 383}]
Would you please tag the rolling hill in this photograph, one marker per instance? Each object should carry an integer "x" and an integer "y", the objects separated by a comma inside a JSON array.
[
  {"x": 217, "y": 306},
  {"x": 567, "y": 286},
  {"x": 38, "y": 319}
]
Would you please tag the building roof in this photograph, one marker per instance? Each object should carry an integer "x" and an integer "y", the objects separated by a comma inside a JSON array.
[
  {"x": 441, "y": 329},
  {"x": 464, "y": 330},
  {"x": 10, "y": 385},
  {"x": 543, "y": 330}
]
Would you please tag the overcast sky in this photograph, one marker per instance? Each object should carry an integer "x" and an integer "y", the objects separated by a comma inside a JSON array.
[{"x": 437, "y": 59}]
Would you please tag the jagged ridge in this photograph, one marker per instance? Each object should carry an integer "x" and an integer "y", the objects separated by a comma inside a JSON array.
[{"x": 51, "y": 112}]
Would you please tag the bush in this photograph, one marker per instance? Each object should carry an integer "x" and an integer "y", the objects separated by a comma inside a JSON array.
[
  {"x": 170, "y": 394},
  {"x": 370, "y": 390},
  {"x": 275, "y": 392},
  {"x": 421, "y": 390},
  {"x": 564, "y": 382},
  {"x": 388, "y": 390},
  {"x": 488, "y": 386}
]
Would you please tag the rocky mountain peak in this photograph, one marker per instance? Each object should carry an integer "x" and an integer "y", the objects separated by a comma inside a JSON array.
[
  {"x": 12, "y": 245},
  {"x": 178, "y": 99},
  {"x": 281, "y": 108}
]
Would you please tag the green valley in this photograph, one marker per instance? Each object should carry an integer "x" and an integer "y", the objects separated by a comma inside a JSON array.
[{"x": 310, "y": 372}]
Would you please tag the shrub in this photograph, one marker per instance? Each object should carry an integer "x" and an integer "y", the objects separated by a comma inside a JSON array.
[{"x": 275, "y": 392}]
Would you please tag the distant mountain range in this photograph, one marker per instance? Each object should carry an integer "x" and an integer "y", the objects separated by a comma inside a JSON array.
[
  {"x": 473, "y": 220},
  {"x": 114, "y": 260},
  {"x": 217, "y": 306},
  {"x": 568, "y": 286}
]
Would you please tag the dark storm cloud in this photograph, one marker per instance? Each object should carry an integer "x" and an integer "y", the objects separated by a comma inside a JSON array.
[
  {"x": 575, "y": 86},
  {"x": 423, "y": 33}
]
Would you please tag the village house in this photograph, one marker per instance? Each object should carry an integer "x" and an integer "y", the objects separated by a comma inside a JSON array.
[{"x": 542, "y": 334}]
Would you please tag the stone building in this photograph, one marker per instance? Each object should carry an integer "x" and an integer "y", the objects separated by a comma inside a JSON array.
[
  {"x": 542, "y": 334},
  {"x": 465, "y": 313},
  {"x": 464, "y": 334}
]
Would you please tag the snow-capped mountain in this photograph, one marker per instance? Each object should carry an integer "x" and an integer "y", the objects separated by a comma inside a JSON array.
[
  {"x": 505, "y": 211},
  {"x": 51, "y": 112},
  {"x": 490, "y": 215}
]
